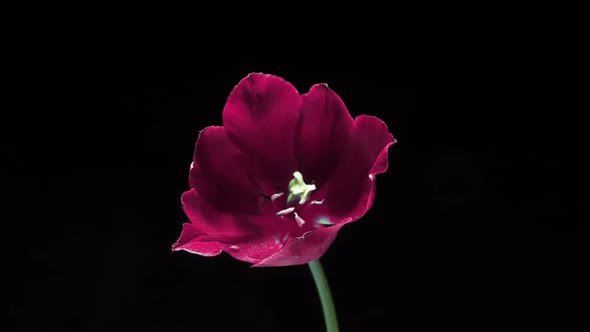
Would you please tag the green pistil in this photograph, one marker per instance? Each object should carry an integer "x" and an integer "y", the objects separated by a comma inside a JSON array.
[{"x": 298, "y": 189}]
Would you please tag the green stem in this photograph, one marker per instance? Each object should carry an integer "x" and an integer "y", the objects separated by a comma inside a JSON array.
[{"x": 325, "y": 296}]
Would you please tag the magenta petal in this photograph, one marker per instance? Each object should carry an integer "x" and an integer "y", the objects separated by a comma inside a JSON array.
[
  {"x": 324, "y": 132},
  {"x": 219, "y": 174},
  {"x": 340, "y": 206},
  {"x": 193, "y": 241},
  {"x": 249, "y": 238},
  {"x": 217, "y": 225},
  {"x": 256, "y": 249},
  {"x": 304, "y": 249},
  {"x": 350, "y": 191},
  {"x": 374, "y": 140},
  {"x": 261, "y": 116},
  {"x": 250, "y": 249}
]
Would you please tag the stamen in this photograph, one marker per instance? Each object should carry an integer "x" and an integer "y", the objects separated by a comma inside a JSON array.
[
  {"x": 317, "y": 202},
  {"x": 299, "y": 220},
  {"x": 275, "y": 196},
  {"x": 285, "y": 211}
]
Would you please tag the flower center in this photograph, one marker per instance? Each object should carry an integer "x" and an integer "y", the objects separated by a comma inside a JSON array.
[
  {"x": 298, "y": 189},
  {"x": 298, "y": 194}
]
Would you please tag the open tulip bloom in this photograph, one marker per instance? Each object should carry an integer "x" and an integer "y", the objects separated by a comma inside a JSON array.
[{"x": 275, "y": 183}]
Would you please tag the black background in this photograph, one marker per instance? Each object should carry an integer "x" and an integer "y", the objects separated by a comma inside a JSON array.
[{"x": 477, "y": 223}]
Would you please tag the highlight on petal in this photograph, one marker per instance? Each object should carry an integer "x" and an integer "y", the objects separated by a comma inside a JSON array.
[
  {"x": 250, "y": 249},
  {"x": 304, "y": 249},
  {"x": 256, "y": 249},
  {"x": 189, "y": 241}
]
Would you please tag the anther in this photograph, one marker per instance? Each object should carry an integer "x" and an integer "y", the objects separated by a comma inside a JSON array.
[
  {"x": 299, "y": 220},
  {"x": 275, "y": 196},
  {"x": 285, "y": 211}
]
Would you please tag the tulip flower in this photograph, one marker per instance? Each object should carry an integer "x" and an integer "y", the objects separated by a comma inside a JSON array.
[{"x": 280, "y": 178}]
